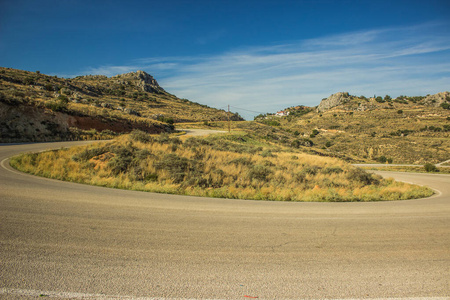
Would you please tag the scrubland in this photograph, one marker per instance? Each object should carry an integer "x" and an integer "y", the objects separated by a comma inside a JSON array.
[
  {"x": 227, "y": 166},
  {"x": 398, "y": 132}
]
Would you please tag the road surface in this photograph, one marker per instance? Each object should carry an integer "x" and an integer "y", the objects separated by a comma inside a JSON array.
[
  {"x": 201, "y": 132},
  {"x": 66, "y": 240}
]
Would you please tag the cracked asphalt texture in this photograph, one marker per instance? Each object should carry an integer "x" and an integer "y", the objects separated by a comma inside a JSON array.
[{"x": 73, "y": 238}]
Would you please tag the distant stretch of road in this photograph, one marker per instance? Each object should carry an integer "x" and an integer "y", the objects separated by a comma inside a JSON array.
[
  {"x": 73, "y": 241},
  {"x": 200, "y": 132}
]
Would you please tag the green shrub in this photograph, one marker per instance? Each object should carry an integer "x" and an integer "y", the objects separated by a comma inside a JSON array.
[
  {"x": 259, "y": 172},
  {"x": 60, "y": 104},
  {"x": 119, "y": 164},
  {"x": 300, "y": 177},
  {"x": 379, "y": 99},
  {"x": 331, "y": 170},
  {"x": 244, "y": 161},
  {"x": 271, "y": 122},
  {"x": 311, "y": 170},
  {"x": 48, "y": 87},
  {"x": 445, "y": 105},
  {"x": 167, "y": 120},
  {"x": 141, "y": 136},
  {"x": 430, "y": 167},
  {"x": 267, "y": 163},
  {"x": 89, "y": 153},
  {"x": 359, "y": 175},
  {"x": 401, "y": 132},
  {"x": 123, "y": 159},
  {"x": 302, "y": 142},
  {"x": 176, "y": 166},
  {"x": 267, "y": 153},
  {"x": 314, "y": 133},
  {"x": 382, "y": 159}
]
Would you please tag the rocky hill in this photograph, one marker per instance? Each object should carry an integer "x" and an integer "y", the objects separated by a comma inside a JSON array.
[
  {"x": 407, "y": 129},
  {"x": 439, "y": 99},
  {"x": 38, "y": 107},
  {"x": 345, "y": 101}
]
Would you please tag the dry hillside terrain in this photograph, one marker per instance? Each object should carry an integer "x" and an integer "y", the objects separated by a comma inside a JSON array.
[
  {"x": 38, "y": 107},
  {"x": 403, "y": 130}
]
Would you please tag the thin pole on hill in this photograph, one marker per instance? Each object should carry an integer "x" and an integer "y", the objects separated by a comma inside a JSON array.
[{"x": 228, "y": 115}]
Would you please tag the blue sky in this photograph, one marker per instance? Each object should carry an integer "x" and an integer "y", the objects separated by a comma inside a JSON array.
[{"x": 258, "y": 56}]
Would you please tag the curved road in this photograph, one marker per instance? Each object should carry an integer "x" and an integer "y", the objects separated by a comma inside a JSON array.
[{"x": 74, "y": 241}]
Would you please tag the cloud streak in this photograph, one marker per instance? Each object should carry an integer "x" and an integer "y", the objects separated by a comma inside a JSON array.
[{"x": 409, "y": 60}]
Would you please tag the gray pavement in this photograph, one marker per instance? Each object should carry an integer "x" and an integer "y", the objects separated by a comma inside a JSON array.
[{"x": 73, "y": 241}]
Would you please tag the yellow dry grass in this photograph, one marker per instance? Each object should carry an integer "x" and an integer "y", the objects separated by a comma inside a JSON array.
[{"x": 197, "y": 167}]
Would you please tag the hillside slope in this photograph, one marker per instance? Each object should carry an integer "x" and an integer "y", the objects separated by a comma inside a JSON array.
[
  {"x": 38, "y": 107},
  {"x": 360, "y": 129}
]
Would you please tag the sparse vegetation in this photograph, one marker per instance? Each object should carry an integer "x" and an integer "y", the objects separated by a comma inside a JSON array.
[
  {"x": 198, "y": 166},
  {"x": 299, "y": 157},
  {"x": 118, "y": 104},
  {"x": 369, "y": 129}
]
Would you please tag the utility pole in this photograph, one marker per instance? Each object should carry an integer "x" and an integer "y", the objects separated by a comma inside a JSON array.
[{"x": 229, "y": 125}]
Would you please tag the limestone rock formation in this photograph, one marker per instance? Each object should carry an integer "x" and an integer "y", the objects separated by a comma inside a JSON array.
[
  {"x": 333, "y": 101},
  {"x": 143, "y": 80},
  {"x": 437, "y": 99}
]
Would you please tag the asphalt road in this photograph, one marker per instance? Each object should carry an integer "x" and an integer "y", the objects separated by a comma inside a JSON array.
[
  {"x": 200, "y": 132},
  {"x": 67, "y": 240}
]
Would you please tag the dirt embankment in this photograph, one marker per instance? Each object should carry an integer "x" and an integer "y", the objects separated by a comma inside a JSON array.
[{"x": 24, "y": 123}]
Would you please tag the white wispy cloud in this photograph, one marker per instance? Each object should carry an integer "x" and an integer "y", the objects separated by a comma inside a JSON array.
[{"x": 408, "y": 60}]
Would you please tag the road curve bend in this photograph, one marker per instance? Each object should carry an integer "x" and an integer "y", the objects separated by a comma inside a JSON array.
[{"x": 74, "y": 241}]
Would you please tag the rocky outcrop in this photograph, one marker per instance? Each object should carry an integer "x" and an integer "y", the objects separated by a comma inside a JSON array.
[
  {"x": 333, "y": 101},
  {"x": 437, "y": 99},
  {"x": 143, "y": 80}
]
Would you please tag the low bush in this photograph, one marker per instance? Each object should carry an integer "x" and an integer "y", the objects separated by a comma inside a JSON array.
[
  {"x": 363, "y": 177},
  {"x": 89, "y": 153},
  {"x": 176, "y": 166},
  {"x": 141, "y": 136},
  {"x": 302, "y": 142},
  {"x": 259, "y": 172},
  {"x": 430, "y": 167},
  {"x": 332, "y": 170}
]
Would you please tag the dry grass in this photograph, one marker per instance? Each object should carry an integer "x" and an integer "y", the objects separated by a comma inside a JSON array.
[
  {"x": 219, "y": 166},
  {"x": 418, "y": 135},
  {"x": 100, "y": 96}
]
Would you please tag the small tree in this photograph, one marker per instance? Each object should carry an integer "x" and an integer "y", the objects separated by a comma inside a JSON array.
[{"x": 379, "y": 99}]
